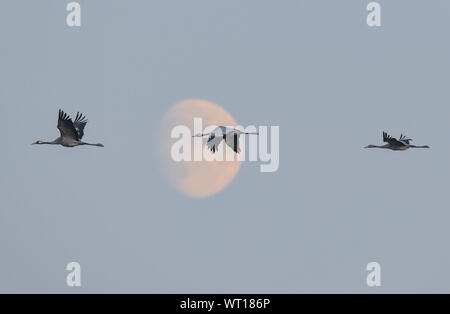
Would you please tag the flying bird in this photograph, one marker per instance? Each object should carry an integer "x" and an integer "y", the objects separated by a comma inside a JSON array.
[
  {"x": 71, "y": 132},
  {"x": 402, "y": 143},
  {"x": 229, "y": 135}
]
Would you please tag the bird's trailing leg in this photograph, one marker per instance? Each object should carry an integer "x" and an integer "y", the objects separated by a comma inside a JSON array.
[
  {"x": 414, "y": 146},
  {"x": 46, "y": 143},
  {"x": 375, "y": 146},
  {"x": 98, "y": 145},
  {"x": 42, "y": 143}
]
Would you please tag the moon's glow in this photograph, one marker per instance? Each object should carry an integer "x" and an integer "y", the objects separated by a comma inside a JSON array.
[{"x": 196, "y": 178}]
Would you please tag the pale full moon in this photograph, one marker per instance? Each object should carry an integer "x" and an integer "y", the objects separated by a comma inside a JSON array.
[{"x": 197, "y": 179}]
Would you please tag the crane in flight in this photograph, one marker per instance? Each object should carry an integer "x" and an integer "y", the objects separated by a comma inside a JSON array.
[
  {"x": 402, "y": 143},
  {"x": 71, "y": 132},
  {"x": 229, "y": 135}
]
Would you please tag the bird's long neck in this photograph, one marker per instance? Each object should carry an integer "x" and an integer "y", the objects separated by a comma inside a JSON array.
[{"x": 201, "y": 135}]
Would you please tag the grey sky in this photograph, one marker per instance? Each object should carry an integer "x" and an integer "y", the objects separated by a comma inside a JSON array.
[{"x": 314, "y": 68}]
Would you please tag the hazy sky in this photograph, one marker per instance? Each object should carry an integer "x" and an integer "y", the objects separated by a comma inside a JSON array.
[{"x": 314, "y": 68}]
